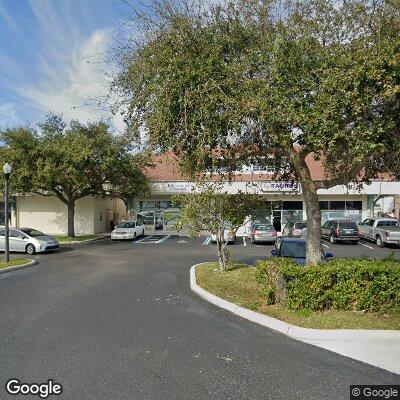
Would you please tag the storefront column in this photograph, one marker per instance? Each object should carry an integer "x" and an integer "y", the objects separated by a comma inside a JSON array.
[
  {"x": 370, "y": 205},
  {"x": 397, "y": 206}
]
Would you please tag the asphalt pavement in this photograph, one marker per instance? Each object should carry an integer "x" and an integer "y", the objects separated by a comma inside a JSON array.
[{"x": 118, "y": 321}]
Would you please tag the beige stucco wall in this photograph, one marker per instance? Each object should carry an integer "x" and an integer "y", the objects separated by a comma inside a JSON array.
[{"x": 49, "y": 214}]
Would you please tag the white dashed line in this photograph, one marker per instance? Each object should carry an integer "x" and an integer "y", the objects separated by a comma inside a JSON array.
[
  {"x": 365, "y": 245},
  {"x": 163, "y": 239},
  {"x": 207, "y": 241},
  {"x": 145, "y": 238}
]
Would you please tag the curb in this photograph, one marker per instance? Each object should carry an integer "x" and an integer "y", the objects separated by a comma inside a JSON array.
[
  {"x": 22, "y": 266},
  {"x": 337, "y": 340}
]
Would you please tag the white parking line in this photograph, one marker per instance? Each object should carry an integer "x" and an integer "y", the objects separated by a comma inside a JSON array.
[
  {"x": 207, "y": 241},
  {"x": 244, "y": 241},
  {"x": 323, "y": 244},
  {"x": 365, "y": 245},
  {"x": 163, "y": 239},
  {"x": 145, "y": 238}
]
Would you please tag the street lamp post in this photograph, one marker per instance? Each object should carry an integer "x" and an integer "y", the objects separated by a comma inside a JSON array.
[{"x": 7, "y": 172}]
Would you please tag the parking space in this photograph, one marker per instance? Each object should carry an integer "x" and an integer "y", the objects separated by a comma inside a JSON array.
[
  {"x": 153, "y": 239},
  {"x": 202, "y": 247},
  {"x": 364, "y": 249}
]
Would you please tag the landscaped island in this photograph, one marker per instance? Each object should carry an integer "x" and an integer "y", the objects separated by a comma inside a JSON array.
[
  {"x": 14, "y": 263},
  {"x": 344, "y": 294}
]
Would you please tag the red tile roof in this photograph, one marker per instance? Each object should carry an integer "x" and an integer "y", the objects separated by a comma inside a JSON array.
[{"x": 166, "y": 169}]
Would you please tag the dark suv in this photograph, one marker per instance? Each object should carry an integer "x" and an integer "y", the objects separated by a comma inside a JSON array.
[{"x": 341, "y": 230}]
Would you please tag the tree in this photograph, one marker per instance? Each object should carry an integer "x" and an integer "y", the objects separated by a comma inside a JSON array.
[
  {"x": 281, "y": 81},
  {"x": 72, "y": 162},
  {"x": 209, "y": 208}
]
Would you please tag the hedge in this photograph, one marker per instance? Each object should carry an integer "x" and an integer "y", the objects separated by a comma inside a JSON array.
[{"x": 341, "y": 284}]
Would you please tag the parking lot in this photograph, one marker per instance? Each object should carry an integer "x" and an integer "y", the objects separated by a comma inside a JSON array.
[
  {"x": 242, "y": 250},
  {"x": 122, "y": 313}
]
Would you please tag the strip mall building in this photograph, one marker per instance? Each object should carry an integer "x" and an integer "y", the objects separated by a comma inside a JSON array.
[{"x": 157, "y": 212}]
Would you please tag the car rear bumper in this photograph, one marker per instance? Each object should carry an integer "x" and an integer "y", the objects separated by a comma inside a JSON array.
[
  {"x": 264, "y": 239},
  {"x": 122, "y": 237},
  {"x": 392, "y": 241},
  {"x": 345, "y": 238}
]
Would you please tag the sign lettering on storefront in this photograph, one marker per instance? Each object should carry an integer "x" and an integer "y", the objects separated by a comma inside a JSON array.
[{"x": 279, "y": 186}]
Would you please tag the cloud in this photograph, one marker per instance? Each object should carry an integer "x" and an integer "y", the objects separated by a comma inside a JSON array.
[
  {"x": 8, "y": 19},
  {"x": 8, "y": 115},
  {"x": 75, "y": 84},
  {"x": 69, "y": 74}
]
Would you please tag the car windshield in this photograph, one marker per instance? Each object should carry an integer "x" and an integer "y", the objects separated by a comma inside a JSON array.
[
  {"x": 32, "y": 232},
  {"x": 348, "y": 225},
  {"x": 125, "y": 225},
  {"x": 262, "y": 227},
  {"x": 293, "y": 249}
]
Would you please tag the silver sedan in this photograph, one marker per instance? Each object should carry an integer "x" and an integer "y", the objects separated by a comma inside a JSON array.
[{"x": 28, "y": 240}]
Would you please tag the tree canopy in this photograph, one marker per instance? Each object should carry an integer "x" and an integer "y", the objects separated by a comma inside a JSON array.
[
  {"x": 210, "y": 208},
  {"x": 72, "y": 161},
  {"x": 280, "y": 81}
]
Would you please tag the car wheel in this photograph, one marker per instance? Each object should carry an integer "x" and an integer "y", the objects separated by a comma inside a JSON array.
[
  {"x": 30, "y": 249},
  {"x": 354, "y": 242},
  {"x": 379, "y": 241},
  {"x": 332, "y": 239}
]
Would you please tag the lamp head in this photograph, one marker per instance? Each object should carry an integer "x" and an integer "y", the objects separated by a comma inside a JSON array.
[{"x": 7, "y": 169}]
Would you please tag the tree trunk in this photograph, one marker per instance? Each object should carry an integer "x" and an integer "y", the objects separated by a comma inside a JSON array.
[
  {"x": 222, "y": 257},
  {"x": 313, "y": 211},
  {"x": 71, "y": 218}
]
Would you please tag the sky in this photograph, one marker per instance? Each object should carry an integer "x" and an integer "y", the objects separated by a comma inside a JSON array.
[{"x": 52, "y": 59}]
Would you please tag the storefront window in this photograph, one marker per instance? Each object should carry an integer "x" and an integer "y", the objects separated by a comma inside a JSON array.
[
  {"x": 146, "y": 205},
  {"x": 166, "y": 204},
  {"x": 146, "y": 217},
  {"x": 337, "y": 205},
  {"x": 292, "y": 205},
  {"x": 354, "y": 205},
  {"x": 324, "y": 205}
]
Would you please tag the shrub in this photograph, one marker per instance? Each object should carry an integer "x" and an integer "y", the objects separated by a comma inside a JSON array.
[
  {"x": 268, "y": 275},
  {"x": 342, "y": 284}
]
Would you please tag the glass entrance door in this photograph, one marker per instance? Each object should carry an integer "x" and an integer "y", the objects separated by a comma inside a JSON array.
[
  {"x": 277, "y": 220},
  {"x": 159, "y": 220}
]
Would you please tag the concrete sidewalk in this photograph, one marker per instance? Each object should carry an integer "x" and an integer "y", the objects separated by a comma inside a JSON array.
[{"x": 380, "y": 348}]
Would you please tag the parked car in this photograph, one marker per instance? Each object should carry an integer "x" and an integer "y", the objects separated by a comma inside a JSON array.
[
  {"x": 229, "y": 236},
  {"x": 28, "y": 240},
  {"x": 128, "y": 230},
  {"x": 294, "y": 248},
  {"x": 381, "y": 230},
  {"x": 341, "y": 229},
  {"x": 295, "y": 229},
  {"x": 263, "y": 233}
]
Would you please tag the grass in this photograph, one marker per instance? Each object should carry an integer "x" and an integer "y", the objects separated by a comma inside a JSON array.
[
  {"x": 238, "y": 285},
  {"x": 82, "y": 238},
  {"x": 15, "y": 262}
]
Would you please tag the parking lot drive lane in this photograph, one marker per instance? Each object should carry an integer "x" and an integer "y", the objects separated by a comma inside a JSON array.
[{"x": 116, "y": 321}]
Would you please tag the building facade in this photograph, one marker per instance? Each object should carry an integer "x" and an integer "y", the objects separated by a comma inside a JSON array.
[
  {"x": 48, "y": 214},
  {"x": 159, "y": 214}
]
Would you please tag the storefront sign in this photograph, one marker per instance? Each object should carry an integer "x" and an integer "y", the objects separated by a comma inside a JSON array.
[
  {"x": 172, "y": 187},
  {"x": 279, "y": 186}
]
